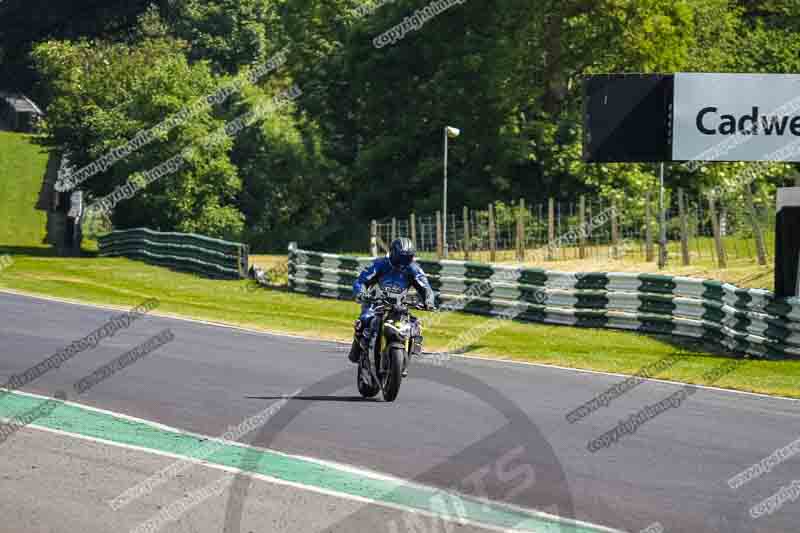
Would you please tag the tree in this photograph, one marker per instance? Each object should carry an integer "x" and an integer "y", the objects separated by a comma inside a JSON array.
[
  {"x": 228, "y": 33},
  {"x": 103, "y": 94},
  {"x": 365, "y": 139},
  {"x": 25, "y": 22}
]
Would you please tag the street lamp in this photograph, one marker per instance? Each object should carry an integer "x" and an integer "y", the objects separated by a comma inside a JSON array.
[{"x": 449, "y": 133}]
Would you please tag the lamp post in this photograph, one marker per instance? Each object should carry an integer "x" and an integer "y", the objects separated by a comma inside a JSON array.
[{"x": 449, "y": 133}]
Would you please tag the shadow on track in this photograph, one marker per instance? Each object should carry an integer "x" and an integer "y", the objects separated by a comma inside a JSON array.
[{"x": 316, "y": 398}]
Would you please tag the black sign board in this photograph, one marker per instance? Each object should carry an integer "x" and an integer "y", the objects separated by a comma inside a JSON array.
[{"x": 628, "y": 118}]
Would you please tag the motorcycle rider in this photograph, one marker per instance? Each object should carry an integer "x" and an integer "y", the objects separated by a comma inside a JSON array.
[{"x": 397, "y": 272}]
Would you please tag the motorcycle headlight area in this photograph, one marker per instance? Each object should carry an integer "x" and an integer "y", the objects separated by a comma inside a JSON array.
[{"x": 402, "y": 329}]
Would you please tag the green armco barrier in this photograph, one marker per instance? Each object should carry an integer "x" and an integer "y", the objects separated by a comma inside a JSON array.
[
  {"x": 201, "y": 255},
  {"x": 744, "y": 321}
]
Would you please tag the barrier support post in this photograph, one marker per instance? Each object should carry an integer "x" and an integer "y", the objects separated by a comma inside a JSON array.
[
  {"x": 466, "y": 233},
  {"x": 761, "y": 249},
  {"x": 438, "y": 234},
  {"x": 581, "y": 227},
  {"x": 684, "y": 227},
  {"x": 722, "y": 260},
  {"x": 413, "y": 223},
  {"x": 373, "y": 238},
  {"x": 492, "y": 236},
  {"x": 648, "y": 228},
  {"x": 551, "y": 227}
]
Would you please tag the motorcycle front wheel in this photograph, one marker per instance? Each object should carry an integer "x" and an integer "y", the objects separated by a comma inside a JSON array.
[{"x": 394, "y": 374}]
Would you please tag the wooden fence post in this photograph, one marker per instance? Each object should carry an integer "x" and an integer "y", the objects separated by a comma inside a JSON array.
[
  {"x": 614, "y": 230},
  {"x": 521, "y": 231},
  {"x": 589, "y": 226},
  {"x": 413, "y": 222},
  {"x": 582, "y": 228},
  {"x": 439, "y": 235},
  {"x": 761, "y": 249},
  {"x": 517, "y": 233},
  {"x": 373, "y": 238},
  {"x": 648, "y": 231},
  {"x": 551, "y": 227},
  {"x": 492, "y": 236},
  {"x": 684, "y": 227},
  {"x": 721, "y": 258},
  {"x": 466, "y": 233}
]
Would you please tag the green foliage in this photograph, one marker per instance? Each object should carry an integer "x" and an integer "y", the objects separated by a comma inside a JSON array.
[
  {"x": 228, "y": 33},
  {"x": 365, "y": 140},
  {"x": 102, "y": 94},
  {"x": 289, "y": 183},
  {"x": 26, "y": 22},
  {"x": 95, "y": 223}
]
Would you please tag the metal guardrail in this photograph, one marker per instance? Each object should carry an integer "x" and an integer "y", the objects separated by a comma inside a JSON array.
[
  {"x": 206, "y": 256},
  {"x": 745, "y": 321}
]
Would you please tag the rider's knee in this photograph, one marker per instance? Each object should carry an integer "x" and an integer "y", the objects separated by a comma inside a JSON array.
[{"x": 362, "y": 323}]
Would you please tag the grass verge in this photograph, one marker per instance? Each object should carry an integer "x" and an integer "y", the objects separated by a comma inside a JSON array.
[
  {"x": 22, "y": 168},
  {"x": 124, "y": 282}
]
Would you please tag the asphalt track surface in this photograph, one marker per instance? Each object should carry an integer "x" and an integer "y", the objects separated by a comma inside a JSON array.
[
  {"x": 673, "y": 470},
  {"x": 53, "y": 483}
]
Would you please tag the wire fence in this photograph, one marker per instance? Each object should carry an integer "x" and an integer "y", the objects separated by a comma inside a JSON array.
[{"x": 697, "y": 230}]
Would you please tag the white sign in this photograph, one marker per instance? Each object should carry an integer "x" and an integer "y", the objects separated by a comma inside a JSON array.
[
  {"x": 736, "y": 117},
  {"x": 76, "y": 204}
]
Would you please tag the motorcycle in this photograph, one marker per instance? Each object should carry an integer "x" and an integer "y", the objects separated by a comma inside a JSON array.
[{"x": 395, "y": 336}]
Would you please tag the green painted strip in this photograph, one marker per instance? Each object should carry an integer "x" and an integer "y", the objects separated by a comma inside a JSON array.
[
  {"x": 432, "y": 268},
  {"x": 592, "y": 281},
  {"x": 656, "y": 283},
  {"x": 478, "y": 271},
  {"x": 533, "y": 276},
  {"x": 350, "y": 263},
  {"x": 77, "y": 420},
  {"x": 714, "y": 290},
  {"x": 591, "y": 300}
]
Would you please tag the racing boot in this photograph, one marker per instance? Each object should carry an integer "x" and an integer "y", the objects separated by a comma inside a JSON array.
[
  {"x": 355, "y": 348},
  {"x": 355, "y": 352}
]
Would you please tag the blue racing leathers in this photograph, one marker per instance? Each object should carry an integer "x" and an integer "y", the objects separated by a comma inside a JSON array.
[{"x": 382, "y": 272}]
